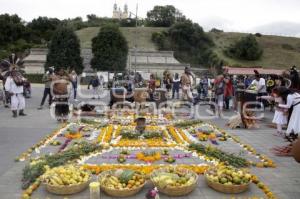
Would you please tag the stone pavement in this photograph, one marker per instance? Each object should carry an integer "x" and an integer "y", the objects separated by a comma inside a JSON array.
[{"x": 17, "y": 135}]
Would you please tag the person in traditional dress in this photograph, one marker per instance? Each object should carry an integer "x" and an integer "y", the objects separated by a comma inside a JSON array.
[
  {"x": 59, "y": 89},
  {"x": 292, "y": 102},
  {"x": 186, "y": 84},
  {"x": 14, "y": 86}
]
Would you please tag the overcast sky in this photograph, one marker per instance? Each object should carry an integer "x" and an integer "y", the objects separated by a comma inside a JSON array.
[{"x": 281, "y": 17}]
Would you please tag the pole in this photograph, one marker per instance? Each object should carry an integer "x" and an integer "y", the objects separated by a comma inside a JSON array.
[{"x": 135, "y": 47}]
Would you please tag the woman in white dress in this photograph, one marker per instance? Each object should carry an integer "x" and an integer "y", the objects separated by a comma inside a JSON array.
[{"x": 292, "y": 100}]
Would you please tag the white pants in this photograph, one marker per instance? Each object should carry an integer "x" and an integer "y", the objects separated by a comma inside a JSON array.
[
  {"x": 17, "y": 102},
  {"x": 95, "y": 92}
]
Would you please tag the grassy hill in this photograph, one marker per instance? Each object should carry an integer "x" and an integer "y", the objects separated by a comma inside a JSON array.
[
  {"x": 279, "y": 52},
  {"x": 140, "y": 36}
]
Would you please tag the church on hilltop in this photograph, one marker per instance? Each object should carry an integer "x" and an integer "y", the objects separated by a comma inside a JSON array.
[{"x": 118, "y": 13}]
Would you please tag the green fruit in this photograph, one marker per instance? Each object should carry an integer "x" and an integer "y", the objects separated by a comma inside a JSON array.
[
  {"x": 236, "y": 180},
  {"x": 223, "y": 180},
  {"x": 260, "y": 185}
]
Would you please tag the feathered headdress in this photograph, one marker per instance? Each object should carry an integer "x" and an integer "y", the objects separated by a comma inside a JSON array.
[{"x": 13, "y": 61}]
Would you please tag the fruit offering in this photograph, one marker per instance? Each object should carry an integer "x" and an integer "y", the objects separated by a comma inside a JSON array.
[
  {"x": 125, "y": 152},
  {"x": 121, "y": 159},
  {"x": 55, "y": 143},
  {"x": 65, "y": 176},
  {"x": 173, "y": 178},
  {"x": 122, "y": 179},
  {"x": 165, "y": 152},
  {"x": 228, "y": 176},
  {"x": 170, "y": 159}
]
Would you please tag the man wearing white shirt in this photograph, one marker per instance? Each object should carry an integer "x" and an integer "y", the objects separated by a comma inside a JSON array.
[
  {"x": 14, "y": 86},
  {"x": 260, "y": 84}
]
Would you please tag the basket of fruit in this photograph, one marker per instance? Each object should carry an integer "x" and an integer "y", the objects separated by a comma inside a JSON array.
[
  {"x": 66, "y": 180},
  {"x": 228, "y": 179},
  {"x": 174, "y": 181},
  {"x": 121, "y": 183}
]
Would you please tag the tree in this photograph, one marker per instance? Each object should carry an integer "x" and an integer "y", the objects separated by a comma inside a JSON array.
[
  {"x": 246, "y": 48},
  {"x": 64, "y": 50},
  {"x": 164, "y": 16},
  {"x": 14, "y": 36},
  {"x": 190, "y": 43},
  {"x": 44, "y": 27},
  {"x": 110, "y": 49}
]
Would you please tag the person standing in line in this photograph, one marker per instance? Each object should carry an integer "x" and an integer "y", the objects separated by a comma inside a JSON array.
[
  {"x": 228, "y": 91},
  {"x": 47, "y": 79},
  {"x": 247, "y": 81},
  {"x": 219, "y": 85},
  {"x": 205, "y": 83},
  {"x": 14, "y": 86},
  {"x": 74, "y": 80},
  {"x": 176, "y": 85},
  {"x": 151, "y": 87},
  {"x": 95, "y": 84},
  {"x": 186, "y": 85}
]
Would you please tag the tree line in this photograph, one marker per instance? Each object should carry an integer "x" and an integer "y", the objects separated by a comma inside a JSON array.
[{"x": 187, "y": 39}]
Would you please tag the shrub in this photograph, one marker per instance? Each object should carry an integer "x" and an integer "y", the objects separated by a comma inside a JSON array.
[
  {"x": 287, "y": 47},
  {"x": 247, "y": 48},
  {"x": 34, "y": 78}
]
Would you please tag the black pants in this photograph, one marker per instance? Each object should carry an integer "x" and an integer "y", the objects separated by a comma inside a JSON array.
[
  {"x": 62, "y": 107},
  {"x": 47, "y": 92},
  {"x": 227, "y": 100}
]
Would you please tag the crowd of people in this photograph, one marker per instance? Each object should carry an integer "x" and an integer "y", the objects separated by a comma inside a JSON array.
[{"x": 281, "y": 93}]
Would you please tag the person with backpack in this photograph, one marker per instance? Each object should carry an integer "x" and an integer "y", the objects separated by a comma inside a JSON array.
[
  {"x": 95, "y": 84},
  {"x": 14, "y": 86}
]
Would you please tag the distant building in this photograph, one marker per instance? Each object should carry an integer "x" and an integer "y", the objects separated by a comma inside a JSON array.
[{"x": 118, "y": 13}]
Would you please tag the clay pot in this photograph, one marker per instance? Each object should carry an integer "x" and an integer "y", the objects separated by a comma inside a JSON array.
[{"x": 296, "y": 150}]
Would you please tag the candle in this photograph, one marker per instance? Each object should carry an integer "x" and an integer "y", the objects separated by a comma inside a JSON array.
[{"x": 95, "y": 190}]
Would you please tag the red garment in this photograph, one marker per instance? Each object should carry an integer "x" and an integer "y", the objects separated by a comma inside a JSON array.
[{"x": 228, "y": 89}]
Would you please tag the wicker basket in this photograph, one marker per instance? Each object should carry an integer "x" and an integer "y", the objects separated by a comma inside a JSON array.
[
  {"x": 67, "y": 190},
  {"x": 175, "y": 191},
  {"x": 118, "y": 192},
  {"x": 231, "y": 189}
]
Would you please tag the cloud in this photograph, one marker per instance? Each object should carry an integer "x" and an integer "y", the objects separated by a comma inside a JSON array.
[{"x": 283, "y": 28}]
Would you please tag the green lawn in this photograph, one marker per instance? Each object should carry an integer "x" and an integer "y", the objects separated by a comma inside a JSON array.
[
  {"x": 274, "y": 56},
  {"x": 140, "y": 36}
]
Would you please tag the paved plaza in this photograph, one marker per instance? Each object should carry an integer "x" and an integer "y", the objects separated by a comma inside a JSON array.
[{"x": 17, "y": 135}]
